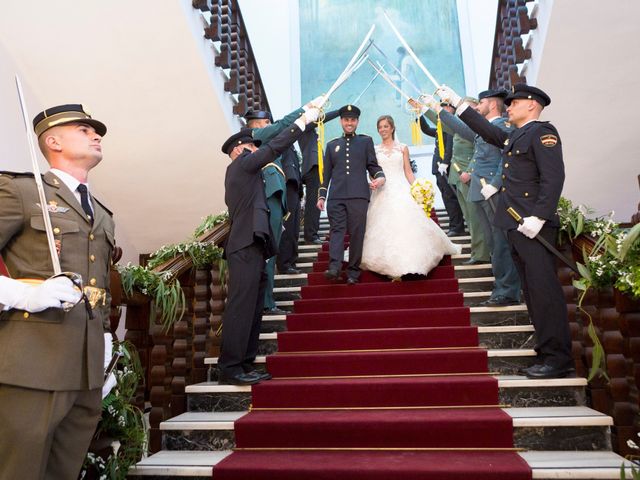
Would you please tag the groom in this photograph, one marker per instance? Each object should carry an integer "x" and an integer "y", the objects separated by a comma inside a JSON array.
[{"x": 346, "y": 162}]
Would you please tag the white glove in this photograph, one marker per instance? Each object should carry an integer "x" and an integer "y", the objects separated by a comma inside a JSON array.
[
  {"x": 442, "y": 168},
  {"x": 448, "y": 95},
  {"x": 428, "y": 101},
  {"x": 317, "y": 102},
  {"x": 108, "y": 354},
  {"x": 311, "y": 115},
  {"x": 34, "y": 298},
  {"x": 531, "y": 226},
  {"x": 488, "y": 191},
  {"x": 108, "y": 385}
]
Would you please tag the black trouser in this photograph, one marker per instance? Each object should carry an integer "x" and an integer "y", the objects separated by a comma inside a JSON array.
[
  {"x": 288, "y": 250},
  {"x": 243, "y": 313},
  {"x": 456, "y": 220},
  {"x": 311, "y": 180},
  {"x": 347, "y": 215},
  {"x": 544, "y": 296}
]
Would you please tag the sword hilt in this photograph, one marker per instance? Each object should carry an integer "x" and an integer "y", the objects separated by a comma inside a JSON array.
[
  {"x": 516, "y": 216},
  {"x": 483, "y": 182}
]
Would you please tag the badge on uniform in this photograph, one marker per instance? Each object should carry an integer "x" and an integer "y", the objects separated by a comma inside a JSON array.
[
  {"x": 337, "y": 148},
  {"x": 54, "y": 208},
  {"x": 549, "y": 140},
  {"x": 506, "y": 142}
]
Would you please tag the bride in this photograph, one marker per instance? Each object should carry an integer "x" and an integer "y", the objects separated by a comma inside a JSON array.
[{"x": 400, "y": 239}]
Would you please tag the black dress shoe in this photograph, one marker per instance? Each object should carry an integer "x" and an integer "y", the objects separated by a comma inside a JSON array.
[
  {"x": 262, "y": 375},
  {"x": 499, "y": 301},
  {"x": 332, "y": 274},
  {"x": 549, "y": 371},
  {"x": 525, "y": 370},
  {"x": 239, "y": 379},
  {"x": 352, "y": 281},
  {"x": 273, "y": 311},
  {"x": 455, "y": 233},
  {"x": 290, "y": 271},
  {"x": 473, "y": 261}
]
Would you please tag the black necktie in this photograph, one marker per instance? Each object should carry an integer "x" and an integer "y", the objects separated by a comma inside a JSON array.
[{"x": 84, "y": 200}]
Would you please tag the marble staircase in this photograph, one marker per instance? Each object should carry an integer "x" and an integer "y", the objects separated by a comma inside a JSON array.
[{"x": 563, "y": 437}]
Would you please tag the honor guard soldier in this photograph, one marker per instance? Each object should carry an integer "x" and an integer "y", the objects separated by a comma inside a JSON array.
[
  {"x": 251, "y": 242},
  {"x": 308, "y": 143},
  {"x": 52, "y": 358},
  {"x": 486, "y": 166},
  {"x": 346, "y": 162},
  {"x": 533, "y": 176},
  {"x": 275, "y": 184}
]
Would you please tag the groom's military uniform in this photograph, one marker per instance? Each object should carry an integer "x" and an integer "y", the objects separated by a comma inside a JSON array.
[{"x": 346, "y": 162}]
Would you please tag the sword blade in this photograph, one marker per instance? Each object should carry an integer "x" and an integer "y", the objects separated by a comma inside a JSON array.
[
  {"x": 405, "y": 79},
  {"x": 410, "y": 51},
  {"x": 38, "y": 178}
]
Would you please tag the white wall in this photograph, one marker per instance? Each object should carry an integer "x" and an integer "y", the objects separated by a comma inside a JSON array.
[
  {"x": 590, "y": 70},
  {"x": 477, "y": 21}
]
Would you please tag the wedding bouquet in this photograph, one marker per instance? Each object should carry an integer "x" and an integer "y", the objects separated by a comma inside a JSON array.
[{"x": 422, "y": 192}]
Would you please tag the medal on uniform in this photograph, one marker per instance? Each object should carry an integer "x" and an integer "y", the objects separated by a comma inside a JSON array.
[{"x": 337, "y": 148}]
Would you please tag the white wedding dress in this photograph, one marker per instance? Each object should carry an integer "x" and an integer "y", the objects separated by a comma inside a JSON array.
[{"x": 400, "y": 238}]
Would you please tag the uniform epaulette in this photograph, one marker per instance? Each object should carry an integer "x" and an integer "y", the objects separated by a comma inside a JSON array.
[
  {"x": 333, "y": 140},
  {"x": 363, "y": 135},
  {"x": 16, "y": 174},
  {"x": 102, "y": 205}
]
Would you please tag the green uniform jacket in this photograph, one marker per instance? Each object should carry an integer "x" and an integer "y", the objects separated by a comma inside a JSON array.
[
  {"x": 274, "y": 178},
  {"x": 53, "y": 350},
  {"x": 462, "y": 151}
]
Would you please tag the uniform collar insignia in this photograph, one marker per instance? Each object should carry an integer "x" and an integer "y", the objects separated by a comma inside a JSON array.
[{"x": 53, "y": 207}]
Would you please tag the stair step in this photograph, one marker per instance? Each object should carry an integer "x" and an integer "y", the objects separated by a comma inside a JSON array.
[
  {"x": 545, "y": 465},
  {"x": 514, "y": 390},
  {"x": 535, "y": 428}
]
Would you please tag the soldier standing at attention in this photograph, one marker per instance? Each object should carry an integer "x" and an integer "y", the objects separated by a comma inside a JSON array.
[
  {"x": 346, "y": 163},
  {"x": 533, "y": 171},
  {"x": 52, "y": 360}
]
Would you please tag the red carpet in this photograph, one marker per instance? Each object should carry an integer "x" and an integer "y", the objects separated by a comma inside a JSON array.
[{"x": 378, "y": 381}]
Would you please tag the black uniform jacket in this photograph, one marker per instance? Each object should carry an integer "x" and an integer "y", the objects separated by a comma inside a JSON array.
[
  {"x": 346, "y": 163},
  {"x": 245, "y": 196},
  {"x": 291, "y": 166},
  {"x": 532, "y": 169},
  {"x": 308, "y": 143}
]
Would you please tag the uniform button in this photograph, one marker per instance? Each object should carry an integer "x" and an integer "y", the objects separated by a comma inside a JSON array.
[
  {"x": 517, "y": 152},
  {"x": 526, "y": 194},
  {"x": 56, "y": 230},
  {"x": 91, "y": 237},
  {"x": 506, "y": 165},
  {"x": 504, "y": 176},
  {"x": 93, "y": 282},
  {"x": 504, "y": 188},
  {"x": 509, "y": 154},
  {"x": 25, "y": 314},
  {"x": 347, "y": 154},
  {"x": 92, "y": 258},
  {"x": 347, "y": 173}
]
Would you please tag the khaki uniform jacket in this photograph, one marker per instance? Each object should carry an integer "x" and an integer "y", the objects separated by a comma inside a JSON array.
[{"x": 53, "y": 350}]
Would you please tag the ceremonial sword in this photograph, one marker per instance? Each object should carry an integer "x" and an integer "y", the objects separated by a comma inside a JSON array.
[
  {"x": 373, "y": 44},
  {"x": 75, "y": 278},
  {"x": 516, "y": 216},
  {"x": 410, "y": 51}
]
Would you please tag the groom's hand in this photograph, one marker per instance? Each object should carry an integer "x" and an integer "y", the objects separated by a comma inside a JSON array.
[{"x": 320, "y": 204}]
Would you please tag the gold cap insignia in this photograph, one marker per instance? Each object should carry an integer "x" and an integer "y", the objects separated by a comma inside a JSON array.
[
  {"x": 549, "y": 140},
  {"x": 349, "y": 107}
]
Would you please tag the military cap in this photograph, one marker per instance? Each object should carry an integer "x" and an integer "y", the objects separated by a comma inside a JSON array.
[
  {"x": 470, "y": 99},
  {"x": 522, "y": 90},
  {"x": 349, "y": 111},
  {"x": 258, "y": 115},
  {"x": 63, "y": 114},
  {"x": 491, "y": 93},
  {"x": 243, "y": 136}
]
